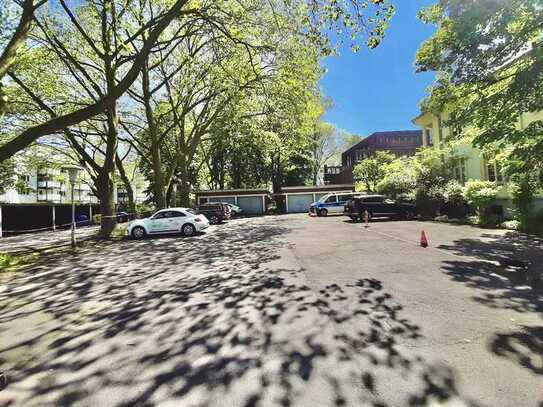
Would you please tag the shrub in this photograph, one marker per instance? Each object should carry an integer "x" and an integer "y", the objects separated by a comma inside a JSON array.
[
  {"x": 481, "y": 194},
  {"x": 455, "y": 201},
  {"x": 454, "y": 193},
  {"x": 428, "y": 201},
  {"x": 523, "y": 191}
]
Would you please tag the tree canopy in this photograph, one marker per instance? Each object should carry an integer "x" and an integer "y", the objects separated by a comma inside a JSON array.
[{"x": 489, "y": 59}]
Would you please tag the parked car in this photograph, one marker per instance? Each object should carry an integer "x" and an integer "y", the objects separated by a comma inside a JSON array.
[
  {"x": 216, "y": 212},
  {"x": 82, "y": 220},
  {"x": 171, "y": 220},
  {"x": 331, "y": 203},
  {"x": 234, "y": 209},
  {"x": 122, "y": 217},
  {"x": 378, "y": 206}
]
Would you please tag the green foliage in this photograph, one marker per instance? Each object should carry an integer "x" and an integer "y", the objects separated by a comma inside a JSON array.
[
  {"x": 398, "y": 179},
  {"x": 481, "y": 194},
  {"x": 7, "y": 175},
  {"x": 11, "y": 263},
  {"x": 523, "y": 190},
  {"x": 371, "y": 170},
  {"x": 489, "y": 59},
  {"x": 454, "y": 193}
]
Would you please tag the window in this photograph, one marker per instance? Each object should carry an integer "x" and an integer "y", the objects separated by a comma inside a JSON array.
[
  {"x": 176, "y": 214},
  {"x": 429, "y": 137},
  {"x": 375, "y": 199},
  {"x": 460, "y": 172},
  {"x": 331, "y": 199},
  {"x": 494, "y": 173},
  {"x": 345, "y": 198},
  {"x": 161, "y": 215}
]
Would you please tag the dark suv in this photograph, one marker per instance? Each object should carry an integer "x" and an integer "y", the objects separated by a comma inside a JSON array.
[
  {"x": 216, "y": 212},
  {"x": 378, "y": 206}
]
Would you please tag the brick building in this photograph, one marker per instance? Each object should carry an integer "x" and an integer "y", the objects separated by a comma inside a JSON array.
[{"x": 400, "y": 143}]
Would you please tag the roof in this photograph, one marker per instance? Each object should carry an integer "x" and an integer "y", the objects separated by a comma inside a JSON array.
[
  {"x": 231, "y": 192},
  {"x": 370, "y": 140}
]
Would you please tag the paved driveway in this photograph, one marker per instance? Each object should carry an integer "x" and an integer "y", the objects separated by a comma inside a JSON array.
[
  {"x": 29, "y": 242},
  {"x": 280, "y": 311}
]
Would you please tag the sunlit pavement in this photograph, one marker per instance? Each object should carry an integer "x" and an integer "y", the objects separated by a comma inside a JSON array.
[
  {"x": 44, "y": 240},
  {"x": 280, "y": 311}
]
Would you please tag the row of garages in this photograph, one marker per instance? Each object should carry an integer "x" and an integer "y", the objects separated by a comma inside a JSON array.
[{"x": 257, "y": 201}]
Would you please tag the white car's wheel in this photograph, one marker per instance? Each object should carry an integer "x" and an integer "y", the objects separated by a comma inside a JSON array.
[
  {"x": 188, "y": 229},
  {"x": 138, "y": 232}
]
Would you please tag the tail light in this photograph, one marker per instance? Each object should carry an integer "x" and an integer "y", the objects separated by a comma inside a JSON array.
[{"x": 198, "y": 220}]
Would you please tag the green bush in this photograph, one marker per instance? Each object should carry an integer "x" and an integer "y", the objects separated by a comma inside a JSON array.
[
  {"x": 481, "y": 194},
  {"x": 523, "y": 190},
  {"x": 453, "y": 193},
  {"x": 428, "y": 201},
  {"x": 455, "y": 201}
]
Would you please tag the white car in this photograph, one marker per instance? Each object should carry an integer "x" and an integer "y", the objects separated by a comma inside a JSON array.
[
  {"x": 236, "y": 210},
  {"x": 171, "y": 220}
]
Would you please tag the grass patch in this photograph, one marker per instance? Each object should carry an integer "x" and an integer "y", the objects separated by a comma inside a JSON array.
[
  {"x": 15, "y": 262},
  {"x": 119, "y": 231}
]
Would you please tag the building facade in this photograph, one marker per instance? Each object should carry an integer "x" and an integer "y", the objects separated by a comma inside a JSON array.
[
  {"x": 473, "y": 165},
  {"x": 400, "y": 143},
  {"x": 51, "y": 185}
]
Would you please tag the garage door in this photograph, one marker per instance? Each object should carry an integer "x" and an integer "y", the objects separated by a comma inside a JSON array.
[
  {"x": 229, "y": 199},
  {"x": 251, "y": 205},
  {"x": 299, "y": 203}
]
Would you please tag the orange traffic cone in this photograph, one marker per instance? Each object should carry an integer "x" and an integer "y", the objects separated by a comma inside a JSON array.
[{"x": 423, "y": 239}]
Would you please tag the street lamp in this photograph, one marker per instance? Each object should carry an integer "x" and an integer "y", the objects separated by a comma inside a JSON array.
[{"x": 72, "y": 174}]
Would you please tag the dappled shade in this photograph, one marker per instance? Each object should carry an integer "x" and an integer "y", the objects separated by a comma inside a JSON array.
[{"x": 213, "y": 320}]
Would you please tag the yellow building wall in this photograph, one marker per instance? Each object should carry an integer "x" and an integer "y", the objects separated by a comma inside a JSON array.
[{"x": 475, "y": 164}]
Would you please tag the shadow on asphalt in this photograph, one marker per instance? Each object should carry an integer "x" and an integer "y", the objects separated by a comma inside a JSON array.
[
  {"x": 144, "y": 322},
  {"x": 507, "y": 274}
]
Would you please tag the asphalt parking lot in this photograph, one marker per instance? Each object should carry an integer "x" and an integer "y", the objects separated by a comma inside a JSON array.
[{"x": 281, "y": 311}]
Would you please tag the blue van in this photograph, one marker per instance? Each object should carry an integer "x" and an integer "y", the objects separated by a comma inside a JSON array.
[{"x": 331, "y": 203}]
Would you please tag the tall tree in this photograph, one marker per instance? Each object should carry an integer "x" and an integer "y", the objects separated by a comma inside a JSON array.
[
  {"x": 366, "y": 17},
  {"x": 326, "y": 143},
  {"x": 489, "y": 55},
  {"x": 14, "y": 36}
]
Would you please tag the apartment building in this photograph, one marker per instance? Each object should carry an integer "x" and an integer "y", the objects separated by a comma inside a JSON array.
[{"x": 400, "y": 143}]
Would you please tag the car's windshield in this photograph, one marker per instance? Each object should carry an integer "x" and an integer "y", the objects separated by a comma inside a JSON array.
[
  {"x": 191, "y": 211},
  {"x": 324, "y": 198}
]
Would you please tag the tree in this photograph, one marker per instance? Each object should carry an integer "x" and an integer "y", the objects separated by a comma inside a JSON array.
[
  {"x": 132, "y": 66},
  {"x": 13, "y": 37},
  {"x": 489, "y": 57},
  {"x": 399, "y": 178},
  {"x": 7, "y": 175},
  {"x": 360, "y": 18},
  {"x": 326, "y": 143},
  {"x": 371, "y": 170}
]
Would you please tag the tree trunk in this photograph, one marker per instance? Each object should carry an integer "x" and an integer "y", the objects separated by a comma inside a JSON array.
[
  {"x": 184, "y": 184},
  {"x": 104, "y": 188},
  {"x": 156, "y": 158},
  {"x": 127, "y": 185},
  {"x": 18, "y": 39}
]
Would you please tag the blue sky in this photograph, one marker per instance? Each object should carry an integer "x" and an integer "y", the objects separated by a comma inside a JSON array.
[{"x": 376, "y": 90}]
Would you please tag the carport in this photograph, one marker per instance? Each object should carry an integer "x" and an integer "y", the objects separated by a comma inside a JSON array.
[
  {"x": 298, "y": 199},
  {"x": 251, "y": 201}
]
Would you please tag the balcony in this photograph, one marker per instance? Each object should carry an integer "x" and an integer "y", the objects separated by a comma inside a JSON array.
[
  {"x": 49, "y": 184},
  {"x": 49, "y": 198}
]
